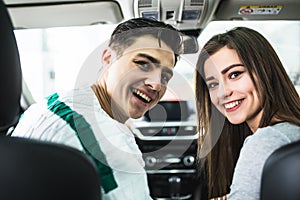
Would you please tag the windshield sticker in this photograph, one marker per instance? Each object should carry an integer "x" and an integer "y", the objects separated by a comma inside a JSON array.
[{"x": 260, "y": 10}]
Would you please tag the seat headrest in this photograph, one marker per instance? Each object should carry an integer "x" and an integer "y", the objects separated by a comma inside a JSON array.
[{"x": 10, "y": 73}]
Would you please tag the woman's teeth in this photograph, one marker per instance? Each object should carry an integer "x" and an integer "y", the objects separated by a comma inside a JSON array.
[{"x": 232, "y": 104}]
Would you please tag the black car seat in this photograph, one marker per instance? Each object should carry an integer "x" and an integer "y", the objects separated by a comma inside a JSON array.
[
  {"x": 31, "y": 169},
  {"x": 10, "y": 74},
  {"x": 35, "y": 170},
  {"x": 281, "y": 174}
]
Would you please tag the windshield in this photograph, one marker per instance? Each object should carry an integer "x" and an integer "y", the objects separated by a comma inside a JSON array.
[
  {"x": 52, "y": 58},
  {"x": 284, "y": 36}
]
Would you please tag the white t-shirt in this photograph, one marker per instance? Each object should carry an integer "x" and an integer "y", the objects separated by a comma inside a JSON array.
[{"x": 77, "y": 119}]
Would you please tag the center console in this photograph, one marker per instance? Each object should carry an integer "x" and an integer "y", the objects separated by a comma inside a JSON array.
[{"x": 167, "y": 137}]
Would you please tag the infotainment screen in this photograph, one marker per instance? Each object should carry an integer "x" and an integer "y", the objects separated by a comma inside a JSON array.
[{"x": 168, "y": 111}]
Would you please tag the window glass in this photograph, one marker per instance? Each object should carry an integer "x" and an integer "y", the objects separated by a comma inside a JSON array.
[
  {"x": 284, "y": 36},
  {"x": 52, "y": 58}
]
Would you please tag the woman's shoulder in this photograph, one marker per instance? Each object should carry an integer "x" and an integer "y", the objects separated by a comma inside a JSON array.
[
  {"x": 283, "y": 126},
  {"x": 284, "y": 129},
  {"x": 278, "y": 134},
  {"x": 266, "y": 140}
]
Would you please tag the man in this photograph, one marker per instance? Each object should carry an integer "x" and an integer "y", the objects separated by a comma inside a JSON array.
[{"x": 137, "y": 65}]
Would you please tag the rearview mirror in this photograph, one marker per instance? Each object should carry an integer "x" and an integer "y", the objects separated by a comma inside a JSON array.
[{"x": 190, "y": 44}]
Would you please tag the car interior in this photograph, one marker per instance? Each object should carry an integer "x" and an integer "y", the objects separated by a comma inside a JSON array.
[{"x": 43, "y": 42}]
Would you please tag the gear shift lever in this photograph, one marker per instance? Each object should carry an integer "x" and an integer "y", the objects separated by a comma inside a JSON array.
[{"x": 175, "y": 183}]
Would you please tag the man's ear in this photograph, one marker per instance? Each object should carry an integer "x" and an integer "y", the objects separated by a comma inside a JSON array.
[{"x": 106, "y": 57}]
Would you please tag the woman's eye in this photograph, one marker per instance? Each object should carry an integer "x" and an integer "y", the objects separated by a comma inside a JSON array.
[
  {"x": 234, "y": 75},
  {"x": 212, "y": 85}
]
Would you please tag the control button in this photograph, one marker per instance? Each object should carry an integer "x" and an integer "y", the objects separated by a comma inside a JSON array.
[
  {"x": 150, "y": 161},
  {"x": 175, "y": 186},
  {"x": 172, "y": 160},
  {"x": 188, "y": 160}
]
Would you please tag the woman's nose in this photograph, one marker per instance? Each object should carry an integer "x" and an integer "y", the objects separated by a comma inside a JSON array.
[{"x": 224, "y": 90}]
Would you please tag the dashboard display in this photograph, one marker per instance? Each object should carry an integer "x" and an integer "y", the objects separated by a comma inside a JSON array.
[
  {"x": 150, "y": 15},
  {"x": 190, "y": 14},
  {"x": 168, "y": 111}
]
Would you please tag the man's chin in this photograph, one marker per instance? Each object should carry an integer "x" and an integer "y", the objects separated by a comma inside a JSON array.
[{"x": 137, "y": 115}]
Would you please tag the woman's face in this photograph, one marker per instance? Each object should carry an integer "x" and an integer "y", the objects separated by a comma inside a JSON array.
[{"x": 231, "y": 88}]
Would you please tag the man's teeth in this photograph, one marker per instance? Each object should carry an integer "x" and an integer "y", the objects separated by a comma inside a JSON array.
[
  {"x": 144, "y": 96},
  {"x": 232, "y": 104}
]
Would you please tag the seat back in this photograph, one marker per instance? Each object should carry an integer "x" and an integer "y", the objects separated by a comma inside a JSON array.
[
  {"x": 10, "y": 74},
  {"x": 31, "y": 169},
  {"x": 281, "y": 174},
  {"x": 35, "y": 170}
]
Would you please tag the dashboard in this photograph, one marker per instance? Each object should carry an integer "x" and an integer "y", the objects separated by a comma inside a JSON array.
[{"x": 167, "y": 137}]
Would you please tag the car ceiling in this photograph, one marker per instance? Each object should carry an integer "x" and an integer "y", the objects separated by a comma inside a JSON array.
[{"x": 186, "y": 15}]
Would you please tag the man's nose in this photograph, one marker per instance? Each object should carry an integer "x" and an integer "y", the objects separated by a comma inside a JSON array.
[{"x": 153, "y": 80}]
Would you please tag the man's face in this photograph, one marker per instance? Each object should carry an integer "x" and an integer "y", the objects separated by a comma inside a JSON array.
[{"x": 137, "y": 80}]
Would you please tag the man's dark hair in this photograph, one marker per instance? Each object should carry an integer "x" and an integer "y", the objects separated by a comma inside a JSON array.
[{"x": 125, "y": 34}]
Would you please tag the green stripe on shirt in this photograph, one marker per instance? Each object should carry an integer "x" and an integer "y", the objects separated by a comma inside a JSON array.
[{"x": 59, "y": 108}]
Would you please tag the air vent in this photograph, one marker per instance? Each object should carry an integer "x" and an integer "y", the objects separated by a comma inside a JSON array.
[
  {"x": 194, "y": 2},
  {"x": 145, "y": 3},
  {"x": 197, "y": 2}
]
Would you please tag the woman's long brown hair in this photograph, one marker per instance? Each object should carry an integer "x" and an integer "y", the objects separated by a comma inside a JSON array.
[{"x": 220, "y": 141}]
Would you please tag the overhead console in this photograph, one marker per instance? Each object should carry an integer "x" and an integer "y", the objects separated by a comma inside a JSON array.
[{"x": 182, "y": 14}]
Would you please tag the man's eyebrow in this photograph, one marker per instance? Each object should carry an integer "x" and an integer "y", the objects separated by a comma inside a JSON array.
[
  {"x": 152, "y": 59},
  {"x": 231, "y": 66}
]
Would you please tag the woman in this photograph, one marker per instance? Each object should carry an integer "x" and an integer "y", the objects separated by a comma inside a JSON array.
[{"x": 247, "y": 108}]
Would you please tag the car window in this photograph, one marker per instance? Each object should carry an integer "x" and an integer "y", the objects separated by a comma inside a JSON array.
[
  {"x": 52, "y": 58},
  {"x": 284, "y": 36}
]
